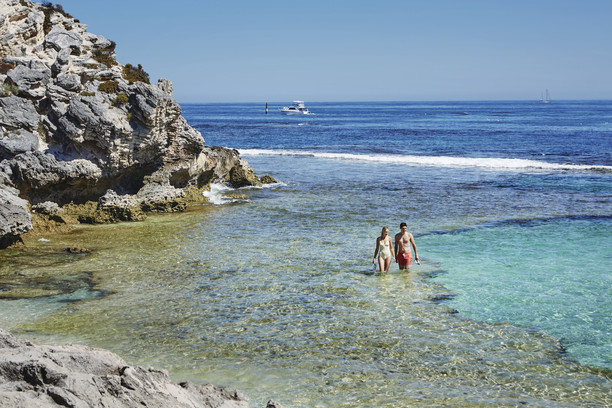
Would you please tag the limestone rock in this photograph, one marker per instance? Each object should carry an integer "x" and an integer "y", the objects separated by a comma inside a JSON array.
[
  {"x": 42, "y": 177},
  {"x": 16, "y": 142},
  {"x": 80, "y": 376},
  {"x": 47, "y": 208},
  {"x": 14, "y": 216},
  {"x": 30, "y": 82},
  {"x": 18, "y": 113},
  {"x": 268, "y": 180},
  {"x": 72, "y": 127},
  {"x": 70, "y": 82},
  {"x": 114, "y": 208},
  {"x": 161, "y": 198},
  {"x": 61, "y": 39}
]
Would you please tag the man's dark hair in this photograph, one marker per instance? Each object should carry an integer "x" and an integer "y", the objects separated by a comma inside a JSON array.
[{"x": 403, "y": 224}]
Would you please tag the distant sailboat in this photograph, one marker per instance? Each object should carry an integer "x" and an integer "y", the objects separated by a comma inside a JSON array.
[{"x": 545, "y": 99}]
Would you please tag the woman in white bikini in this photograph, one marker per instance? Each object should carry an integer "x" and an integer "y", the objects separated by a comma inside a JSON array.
[{"x": 384, "y": 249}]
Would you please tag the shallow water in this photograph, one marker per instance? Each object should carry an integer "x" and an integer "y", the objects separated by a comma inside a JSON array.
[
  {"x": 274, "y": 295},
  {"x": 552, "y": 274},
  {"x": 286, "y": 316}
]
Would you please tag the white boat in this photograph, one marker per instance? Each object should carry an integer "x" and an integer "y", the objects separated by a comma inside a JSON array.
[
  {"x": 297, "y": 108},
  {"x": 545, "y": 99}
]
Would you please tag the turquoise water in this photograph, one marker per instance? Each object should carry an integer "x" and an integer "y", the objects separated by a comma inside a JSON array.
[
  {"x": 273, "y": 295},
  {"x": 551, "y": 274}
]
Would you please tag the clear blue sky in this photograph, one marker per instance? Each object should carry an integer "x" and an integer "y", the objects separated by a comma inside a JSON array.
[{"x": 354, "y": 50}]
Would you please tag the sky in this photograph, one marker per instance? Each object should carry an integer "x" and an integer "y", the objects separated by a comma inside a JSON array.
[{"x": 355, "y": 50}]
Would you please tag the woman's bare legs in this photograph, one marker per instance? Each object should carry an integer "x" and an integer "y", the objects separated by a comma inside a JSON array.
[{"x": 384, "y": 264}]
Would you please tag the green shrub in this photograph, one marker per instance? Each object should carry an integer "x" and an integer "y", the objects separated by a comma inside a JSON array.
[
  {"x": 105, "y": 55},
  {"x": 132, "y": 74},
  {"x": 110, "y": 87},
  {"x": 60, "y": 9},
  {"x": 85, "y": 93},
  {"x": 47, "y": 20},
  {"x": 48, "y": 8},
  {"x": 8, "y": 90},
  {"x": 121, "y": 99}
]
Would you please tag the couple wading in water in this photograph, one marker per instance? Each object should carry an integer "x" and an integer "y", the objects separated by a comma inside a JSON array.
[{"x": 401, "y": 252}]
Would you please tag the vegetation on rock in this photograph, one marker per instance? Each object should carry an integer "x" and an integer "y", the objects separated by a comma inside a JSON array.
[
  {"x": 8, "y": 90},
  {"x": 48, "y": 9},
  {"x": 121, "y": 99},
  {"x": 5, "y": 67},
  {"x": 110, "y": 87},
  {"x": 90, "y": 213},
  {"x": 133, "y": 74},
  {"x": 268, "y": 180},
  {"x": 106, "y": 55}
]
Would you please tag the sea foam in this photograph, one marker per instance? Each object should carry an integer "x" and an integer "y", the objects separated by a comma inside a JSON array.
[
  {"x": 492, "y": 163},
  {"x": 217, "y": 194}
]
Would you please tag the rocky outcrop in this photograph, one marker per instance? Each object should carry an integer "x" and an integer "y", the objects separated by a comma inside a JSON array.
[
  {"x": 14, "y": 216},
  {"x": 78, "y": 376},
  {"x": 76, "y": 126}
]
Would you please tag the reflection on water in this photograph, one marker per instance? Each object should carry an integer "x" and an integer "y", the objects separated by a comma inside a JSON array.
[{"x": 280, "y": 315}]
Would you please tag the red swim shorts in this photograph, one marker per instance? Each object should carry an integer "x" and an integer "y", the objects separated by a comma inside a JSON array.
[{"x": 404, "y": 258}]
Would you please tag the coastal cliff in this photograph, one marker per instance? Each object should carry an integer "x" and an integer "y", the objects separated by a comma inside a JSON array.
[{"x": 86, "y": 139}]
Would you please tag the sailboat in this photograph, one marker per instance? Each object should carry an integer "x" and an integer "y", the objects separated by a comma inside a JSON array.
[{"x": 545, "y": 99}]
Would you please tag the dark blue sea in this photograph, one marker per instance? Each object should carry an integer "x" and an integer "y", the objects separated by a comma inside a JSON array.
[{"x": 271, "y": 290}]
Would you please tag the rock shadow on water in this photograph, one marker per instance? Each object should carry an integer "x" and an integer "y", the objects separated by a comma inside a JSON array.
[
  {"x": 71, "y": 289},
  {"x": 31, "y": 273}
]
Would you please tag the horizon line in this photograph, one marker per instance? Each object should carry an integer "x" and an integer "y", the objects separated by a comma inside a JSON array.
[{"x": 405, "y": 101}]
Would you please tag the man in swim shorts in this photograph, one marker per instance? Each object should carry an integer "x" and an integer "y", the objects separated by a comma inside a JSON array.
[{"x": 403, "y": 240}]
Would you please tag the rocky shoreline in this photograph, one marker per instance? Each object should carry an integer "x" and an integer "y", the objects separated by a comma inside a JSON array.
[
  {"x": 84, "y": 139},
  {"x": 33, "y": 376}
]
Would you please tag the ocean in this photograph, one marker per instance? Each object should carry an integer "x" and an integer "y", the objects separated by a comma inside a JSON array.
[{"x": 271, "y": 290}]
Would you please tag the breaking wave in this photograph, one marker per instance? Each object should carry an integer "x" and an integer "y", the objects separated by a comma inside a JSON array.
[{"x": 435, "y": 161}]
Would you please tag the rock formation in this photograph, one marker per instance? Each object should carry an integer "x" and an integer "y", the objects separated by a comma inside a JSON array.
[
  {"x": 78, "y": 376},
  {"x": 78, "y": 127}
]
